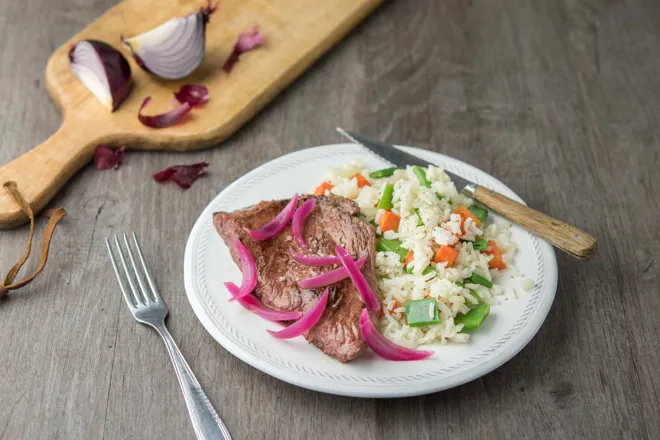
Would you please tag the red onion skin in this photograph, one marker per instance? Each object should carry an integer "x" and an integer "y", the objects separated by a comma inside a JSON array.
[
  {"x": 165, "y": 119},
  {"x": 252, "y": 304},
  {"x": 182, "y": 175},
  {"x": 117, "y": 70},
  {"x": 363, "y": 288},
  {"x": 330, "y": 277},
  {"x": 304, "y": 324},
  {"x": 277, "y": 224},
  {"x": 298, "y": 221},
  {"x": 193, "y": 94},
  {"x": 385, "y": 348}
]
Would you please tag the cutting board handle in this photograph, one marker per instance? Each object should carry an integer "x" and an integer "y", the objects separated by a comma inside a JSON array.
[{"x": 42, "y": 171}]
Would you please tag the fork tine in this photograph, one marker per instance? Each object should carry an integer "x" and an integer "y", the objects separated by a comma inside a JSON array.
[
  {"x": 122, "y": 284},
  {"x": 138, "y": 300},
  {"x": 136, "y": 270},
  {"x": 147, "y": 274}
]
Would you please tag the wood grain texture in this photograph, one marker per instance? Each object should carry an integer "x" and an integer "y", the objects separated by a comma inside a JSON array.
[
  {"x": 569, "y": 239},
  {"x": 557, "y": 99},
  {"x": 297, "y": 34}
]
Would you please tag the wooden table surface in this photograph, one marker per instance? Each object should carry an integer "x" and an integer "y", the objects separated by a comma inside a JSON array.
[{"x": 558, "y": 99}]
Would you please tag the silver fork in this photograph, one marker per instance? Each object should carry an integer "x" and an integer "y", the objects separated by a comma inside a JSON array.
[{"x": 148, "y": 308}]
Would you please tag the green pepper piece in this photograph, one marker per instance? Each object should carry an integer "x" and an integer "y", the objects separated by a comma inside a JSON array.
[
  {"x": 479, "y": 211},
  {"x": 385, "y": 245},
  {"x": 420, "y": 222},
  {"x": 422, "y": 312},
  {"x": 480, "y": 244},
  {"x": 385, "y": 172},
  {"x": 386, "y": 199},
  {"x": 421, "y": 176},
  {"x": 427, "y": 270},
  {"x": 478, "y": 279},
  {"x": 474, "y": 318}
]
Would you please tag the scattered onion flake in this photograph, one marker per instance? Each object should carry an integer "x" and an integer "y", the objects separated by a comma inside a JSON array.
[
  {"x": 105, "y": 158},
  {"x": 165, "y": 119},
  {"x": 309, "y": 320},
  {"x": 251, "y": 303},
  {"x": 277, "y": 224},
  {"x": 367, "y": 295},
  {"x": 245, "y": 43},
  {"x": 298, "y": 221},
  {"x": 331, "y": 277},
  {"x": 103, "y": 70},
  {"x": 385, "y": 348},
  {"x": 182, "y": 175},
  {"x": 193, "y": 94},
  {"x": 174, "y": 49},
  {"x": 313, "y": 260}
]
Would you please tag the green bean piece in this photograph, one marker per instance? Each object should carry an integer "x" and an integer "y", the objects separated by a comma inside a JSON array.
[
  {"x": 422, "y": 312},
  {"x": 478, "y": 279},
  {"x": 386, "y": 199},
  {"x": 427, "y": 270},
  {"x": 385, "y": 172},
  {"x": 421, "y": 175},
  {"x": 480, "y": 244},
  {"x": 420, "y": 222},
  {"x": 474, "y": 318},
  {"x": 480, "y": 212},
  {"x": 385, "y": 245}
]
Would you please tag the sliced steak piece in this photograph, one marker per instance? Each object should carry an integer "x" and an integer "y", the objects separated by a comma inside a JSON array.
[{"x": 333, "y": 221}]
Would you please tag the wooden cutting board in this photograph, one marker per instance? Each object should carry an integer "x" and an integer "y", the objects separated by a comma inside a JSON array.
[{"x": 297, "y": 32}]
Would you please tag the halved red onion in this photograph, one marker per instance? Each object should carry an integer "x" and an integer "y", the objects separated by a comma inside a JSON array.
[
  {"x": 193, "y": 94},
  {"x": 165, "y": 119},
  {"x": 367, "y": 295},
  {"x": 309, "y": 320},
  {"x": 249, "y": 269},
  {"x": 298, "y": 221},
  {"x": 331, "y": 277},
  {"x": 385, "y": 348},
  {"x": 313, "y": 260},
  {"x": 277, "y": 224},
  {"x": 174, "y": 49},
  {"x": 103, "y": 70},
  {"x": 246, "y": 42},
  {"x": 251, "y": 303}
]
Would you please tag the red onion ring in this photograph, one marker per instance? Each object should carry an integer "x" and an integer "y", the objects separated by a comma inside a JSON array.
[
  {"x": 193, "y": 94},
  {"x": 249, "y": 269},
  {"x": 276, "y": 225},
  {"x": 298, "y": 221},
  {"x": 165, "y": 119},
  {"x": 367, "y": 295},
  {"x": 309, "y": 320},
  {"x": 331, "y": 277},
  {"x": 251, "y": 303},
  {"x": 313, "y": 260},
  {"x": 385, "y": 348}
]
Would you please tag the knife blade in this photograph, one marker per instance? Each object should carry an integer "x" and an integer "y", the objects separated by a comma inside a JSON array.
[
  {"x": 570, "y": 239},
  {"x": 402, "y": 159}
]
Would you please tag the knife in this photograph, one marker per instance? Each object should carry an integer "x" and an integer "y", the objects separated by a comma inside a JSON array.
[{"x": 568, "y": 238}]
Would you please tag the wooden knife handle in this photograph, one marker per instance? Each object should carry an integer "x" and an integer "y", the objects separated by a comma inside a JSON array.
[{"x": 568, "y": 238}]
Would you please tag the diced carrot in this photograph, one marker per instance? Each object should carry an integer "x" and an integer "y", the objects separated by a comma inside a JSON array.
[
  {"x": 397, "y": 304},
  {"x": 497, "y": 262},
  {"x": 361, "y": 180},
  {"x": 322, "y": 188},
  {"x": 465, "y": 214},
  {"x": 410, "y": 256},
  {"x": 389, "y": 221},
  {"x": 446, "y": 254}
]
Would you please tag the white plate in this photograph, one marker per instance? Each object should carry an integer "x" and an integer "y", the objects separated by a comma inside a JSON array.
[{"x": 208, "y": 264}]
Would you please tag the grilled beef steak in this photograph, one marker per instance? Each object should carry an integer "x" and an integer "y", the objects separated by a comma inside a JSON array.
[{"x": 333, "y": 221}]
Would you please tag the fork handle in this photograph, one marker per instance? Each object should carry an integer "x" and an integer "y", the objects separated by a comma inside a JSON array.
[
  {"x": 568, "y": 238},
  {"x": 205, "y": 419}
]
